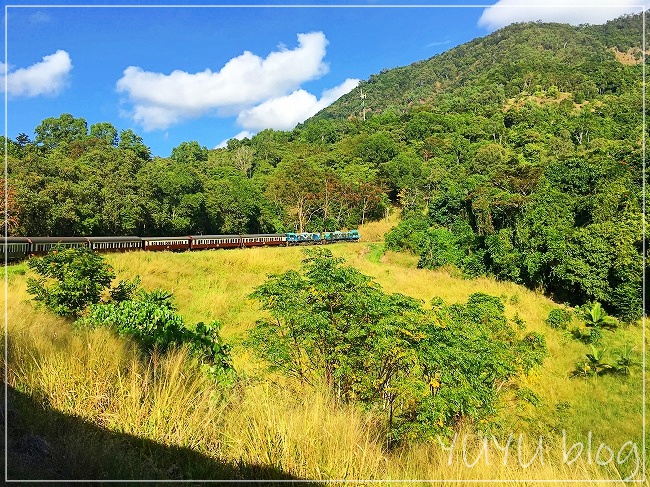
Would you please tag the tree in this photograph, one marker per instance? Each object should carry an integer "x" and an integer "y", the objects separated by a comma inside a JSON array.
[
  {"x": 335, "y": 324},
  {"x": 52, "y": 132},
  {"x": 295, "y": 185},
  {"x": 23, "y": 139},
  {"x": 231, "y": 203},
  {"x": 9, "y": 207},
  {"x": 377, "y": 148},
  {"x": 189, "y": 152},
  {"x": 129, "y": 140},
  {"x": 242, "y": 159},
  {"x": 424, "y": 370},
  {"x": 105, "y": 132}
]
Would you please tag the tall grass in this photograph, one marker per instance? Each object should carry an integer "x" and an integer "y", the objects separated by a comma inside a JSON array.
[{"x": 301, "y": 430}]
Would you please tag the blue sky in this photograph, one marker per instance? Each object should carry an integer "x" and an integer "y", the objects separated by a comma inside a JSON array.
[{"x": 212, "y": 73}]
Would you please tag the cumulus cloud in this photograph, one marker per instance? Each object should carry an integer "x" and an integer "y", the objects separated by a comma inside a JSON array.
[
  {"x": 285, "y": 112},
  {"x": 505, "y": 12},
  {"x": 161, "y": 100},
  {"x": 244, "y": 134},
  {"x": 47, "y": 77}
]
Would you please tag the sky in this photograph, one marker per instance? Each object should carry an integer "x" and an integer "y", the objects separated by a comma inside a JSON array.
[{"x": 204, "y": 73}]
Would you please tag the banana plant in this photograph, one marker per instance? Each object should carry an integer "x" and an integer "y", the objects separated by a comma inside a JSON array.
[
  {"x": 596, "y": 317},
  {"x": 625, "y": 360},
  {"x": 597, "y": 361}
]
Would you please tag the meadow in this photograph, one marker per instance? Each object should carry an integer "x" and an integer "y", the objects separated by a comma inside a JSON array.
[{"x": 269, "y": 427}]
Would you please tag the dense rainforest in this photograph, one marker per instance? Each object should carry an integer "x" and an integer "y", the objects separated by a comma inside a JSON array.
[{"x": 518, "y": 154}]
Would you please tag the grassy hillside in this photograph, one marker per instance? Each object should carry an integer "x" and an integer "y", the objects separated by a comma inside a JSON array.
[{"x": 98, "y": 409}]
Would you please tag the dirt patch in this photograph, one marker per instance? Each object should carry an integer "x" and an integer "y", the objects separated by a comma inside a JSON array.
[{"x": 632, "y": 56}]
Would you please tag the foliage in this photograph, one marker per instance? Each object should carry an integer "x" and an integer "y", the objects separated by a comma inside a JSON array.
[
  {"x": 559, "y": 318},
  {"x": 125, "y": 290},
  {"x": 407, "y": 235},
  {"x": 595, "y": 316},
  {"x": 625, "y": 360},
  {"x": 69, "y": 280},
  {"x": 151, "y": 319},
  {"x": 424, "y": 370},
  {"x": 457, "y": 245},
  {"x": 597, "y": 364}
]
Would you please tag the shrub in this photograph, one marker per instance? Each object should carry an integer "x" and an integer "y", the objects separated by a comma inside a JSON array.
[
  {"x": 407, "y": 235},
  {"x": 70, "y": 280},
  {"x": 125, "y": 290},
  {"x": 151, "y": 319},
  {"x": 559, "y": 318},
  {"x": 152, "y": 325},
  {"x": 625, "y": 360},
  {"x": 596, "y": 364}
]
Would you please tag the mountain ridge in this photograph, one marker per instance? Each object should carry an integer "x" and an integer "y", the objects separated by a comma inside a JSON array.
[{"x": 506, "y": 68}]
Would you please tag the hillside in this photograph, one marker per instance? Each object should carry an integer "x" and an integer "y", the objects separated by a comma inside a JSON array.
[
  {"x": 585, "y": 61},
  {"x": 87, "y": 404}
]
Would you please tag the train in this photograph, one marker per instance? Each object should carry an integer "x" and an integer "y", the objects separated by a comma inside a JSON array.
[{"x": 18, "y": 248}]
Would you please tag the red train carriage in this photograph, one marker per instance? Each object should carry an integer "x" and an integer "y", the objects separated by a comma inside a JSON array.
[
  {"x": 115, "y": 244},
  {"x": 263, "y": 239},
  {"x": 166, "y": 243},
  {"x": 16, "y": 248},
  {"x": 198, "y": 242}
]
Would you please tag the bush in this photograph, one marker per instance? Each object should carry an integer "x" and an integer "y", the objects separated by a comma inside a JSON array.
[
  {"x": 596, "y": 363},
  {"x": 125, "y": 290},
  {"x": 70, "y": 280},
  {"x": 407, "y": 235},
  {"x": 559, "y": 319},
  {"x": 440, "y": 248},
  {"x": 151, "y": 319}
]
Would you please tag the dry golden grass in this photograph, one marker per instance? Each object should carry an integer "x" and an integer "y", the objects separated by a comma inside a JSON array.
[
  {"x": 375, "y": 231},
  {"x": 300, "y": 430}
]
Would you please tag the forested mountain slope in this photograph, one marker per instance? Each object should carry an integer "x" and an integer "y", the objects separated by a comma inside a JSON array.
[
  {"x": 518, "y": 154},
  {"x": 482, "y": 74}
]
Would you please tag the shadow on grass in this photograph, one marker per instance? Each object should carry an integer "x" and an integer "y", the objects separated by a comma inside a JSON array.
[{"x": 44, "y": 444}]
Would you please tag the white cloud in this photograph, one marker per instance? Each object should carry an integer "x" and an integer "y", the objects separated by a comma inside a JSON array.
[
  {"x": 285, "y": 112},
  {"x": 244, "y": 134},
  {"x": 575, "y": 12},
  {"x": 48, "y": 77},
  {"x": 161, "y": 100}
]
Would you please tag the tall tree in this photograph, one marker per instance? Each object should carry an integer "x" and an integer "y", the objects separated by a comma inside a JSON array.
[{"x": 53, "y": 132}]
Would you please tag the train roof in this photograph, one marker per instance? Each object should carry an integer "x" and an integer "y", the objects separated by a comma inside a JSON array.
[
  {"x": 15, "y": 239},
  {"x": 58, "y": 239},
  {"x": 213, "y": 236},
  {"x": 165, "y": 238},
  {"x": 265, "y": 235},
  {"x": 131, "y": 238}
]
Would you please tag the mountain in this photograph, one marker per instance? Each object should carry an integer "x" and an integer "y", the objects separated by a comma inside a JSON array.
[{"x": 588, "y": 60}]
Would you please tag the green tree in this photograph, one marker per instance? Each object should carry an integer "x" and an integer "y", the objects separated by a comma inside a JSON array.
[
  {"x": 52, "y": 132},
  {"x": 425, "y": 370},
  {"x": 105, "y": 132},
  {"x": 129, "y": 140},
  {"x": 190, "y": 152},
  {"x": 295, "y": 185}
]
